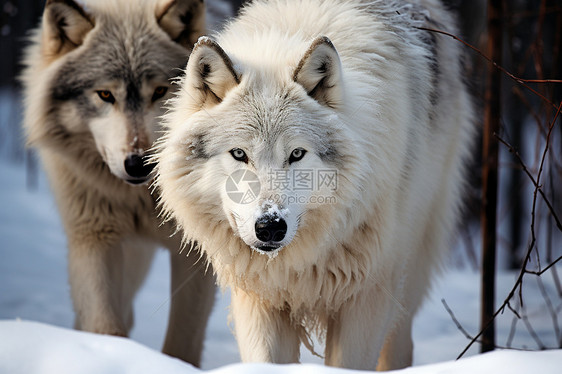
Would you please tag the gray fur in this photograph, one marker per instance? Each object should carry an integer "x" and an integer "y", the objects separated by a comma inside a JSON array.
[{"x": 113, "y": 227}]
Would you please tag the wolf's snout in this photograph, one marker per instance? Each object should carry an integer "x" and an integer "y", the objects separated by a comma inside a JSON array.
[
  {"x": 271, "y": 228},
  {"x": 137, "y": 168}
]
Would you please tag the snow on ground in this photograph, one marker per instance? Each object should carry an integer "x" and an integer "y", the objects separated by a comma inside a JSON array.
[
  {"x": 34, "y": 287},
  {"x": 32, "y": 347}
]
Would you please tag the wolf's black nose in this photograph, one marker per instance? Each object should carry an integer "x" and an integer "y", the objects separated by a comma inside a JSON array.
[
  {"x": 270, "y": 228},
  {"x": 136, "y": 167}
]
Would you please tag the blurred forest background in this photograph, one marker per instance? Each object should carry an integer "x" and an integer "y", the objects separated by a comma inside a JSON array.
[{"x": 529, "y": 206}]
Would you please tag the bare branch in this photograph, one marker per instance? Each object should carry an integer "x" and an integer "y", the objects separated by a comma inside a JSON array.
[
  {"x": 517, "y": 79},
  {"x": 455, "y": 320},
  {"x": 525, "y": 169}
]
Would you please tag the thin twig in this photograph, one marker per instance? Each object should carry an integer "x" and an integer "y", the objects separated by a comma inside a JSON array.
[
  {"x": 466, "y": 334},
  {"x": 519, "y": 281},
  {"x": 514, "y": 311},
  {"x": 549, "y": 306},
  {"x": 455, "y": 320},
  {"x": 512, "y": 329},
  {"x": 521, "y": 81},
  {"x": 541, "y": 272},
  {"x": 525, "y": 169},
  {"x": 532, "y": 332}
]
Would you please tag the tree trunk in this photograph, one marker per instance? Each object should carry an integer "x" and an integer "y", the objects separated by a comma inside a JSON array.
[{"x": 490, "y": 174}]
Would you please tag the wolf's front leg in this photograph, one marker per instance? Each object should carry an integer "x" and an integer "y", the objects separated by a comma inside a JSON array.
[
  {"x": 193, "y": 295},
  {"x": 263, "y": 333},
  {"x": 96, "y": 284},
  {"x": 357, "y": 332},
  {"x": 398, "y": 347}
]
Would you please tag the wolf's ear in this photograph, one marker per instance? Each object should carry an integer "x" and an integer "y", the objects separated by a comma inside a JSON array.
[
  {"x": 65, "y": 25},
  {"x": 183, "y": 20},
  {"x": 319, "y": 72},
  {"x": 209, "y": 73}
]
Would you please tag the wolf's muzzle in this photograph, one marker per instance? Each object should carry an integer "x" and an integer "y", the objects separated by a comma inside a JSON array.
[
  {"x": 137, "y": 168},
  {"x": 271, "y": 230}
]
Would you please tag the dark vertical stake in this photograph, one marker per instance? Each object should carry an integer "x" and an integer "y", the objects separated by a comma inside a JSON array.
[{"x": 490, "y": 174}]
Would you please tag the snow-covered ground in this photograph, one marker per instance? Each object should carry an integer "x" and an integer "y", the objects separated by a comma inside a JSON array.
[
  {"x": 34, "y": 287},
  {"x": 31, "y": 347}
]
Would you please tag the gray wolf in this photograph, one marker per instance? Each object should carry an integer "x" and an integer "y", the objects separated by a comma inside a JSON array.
[
  {"x": 95, "y": 77},
  {"x": 355, "y": 89}
]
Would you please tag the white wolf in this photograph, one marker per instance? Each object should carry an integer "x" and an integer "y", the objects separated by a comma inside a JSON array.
[
  {"x": 95, "y": 78},
  {"x": 299, "y": 91}
]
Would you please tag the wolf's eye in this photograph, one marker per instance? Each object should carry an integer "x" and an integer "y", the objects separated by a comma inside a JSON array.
[
  {"x": 106, "y": 96},
  {"x": 297, "y": 155},
  {"x": 239, "y": 155},
  {"x": 159, "y": 92}
]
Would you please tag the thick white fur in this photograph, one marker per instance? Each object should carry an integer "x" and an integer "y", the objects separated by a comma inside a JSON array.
[
  {"x": 112, "y": 227},
  {"x": 400, "y": 129}
]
